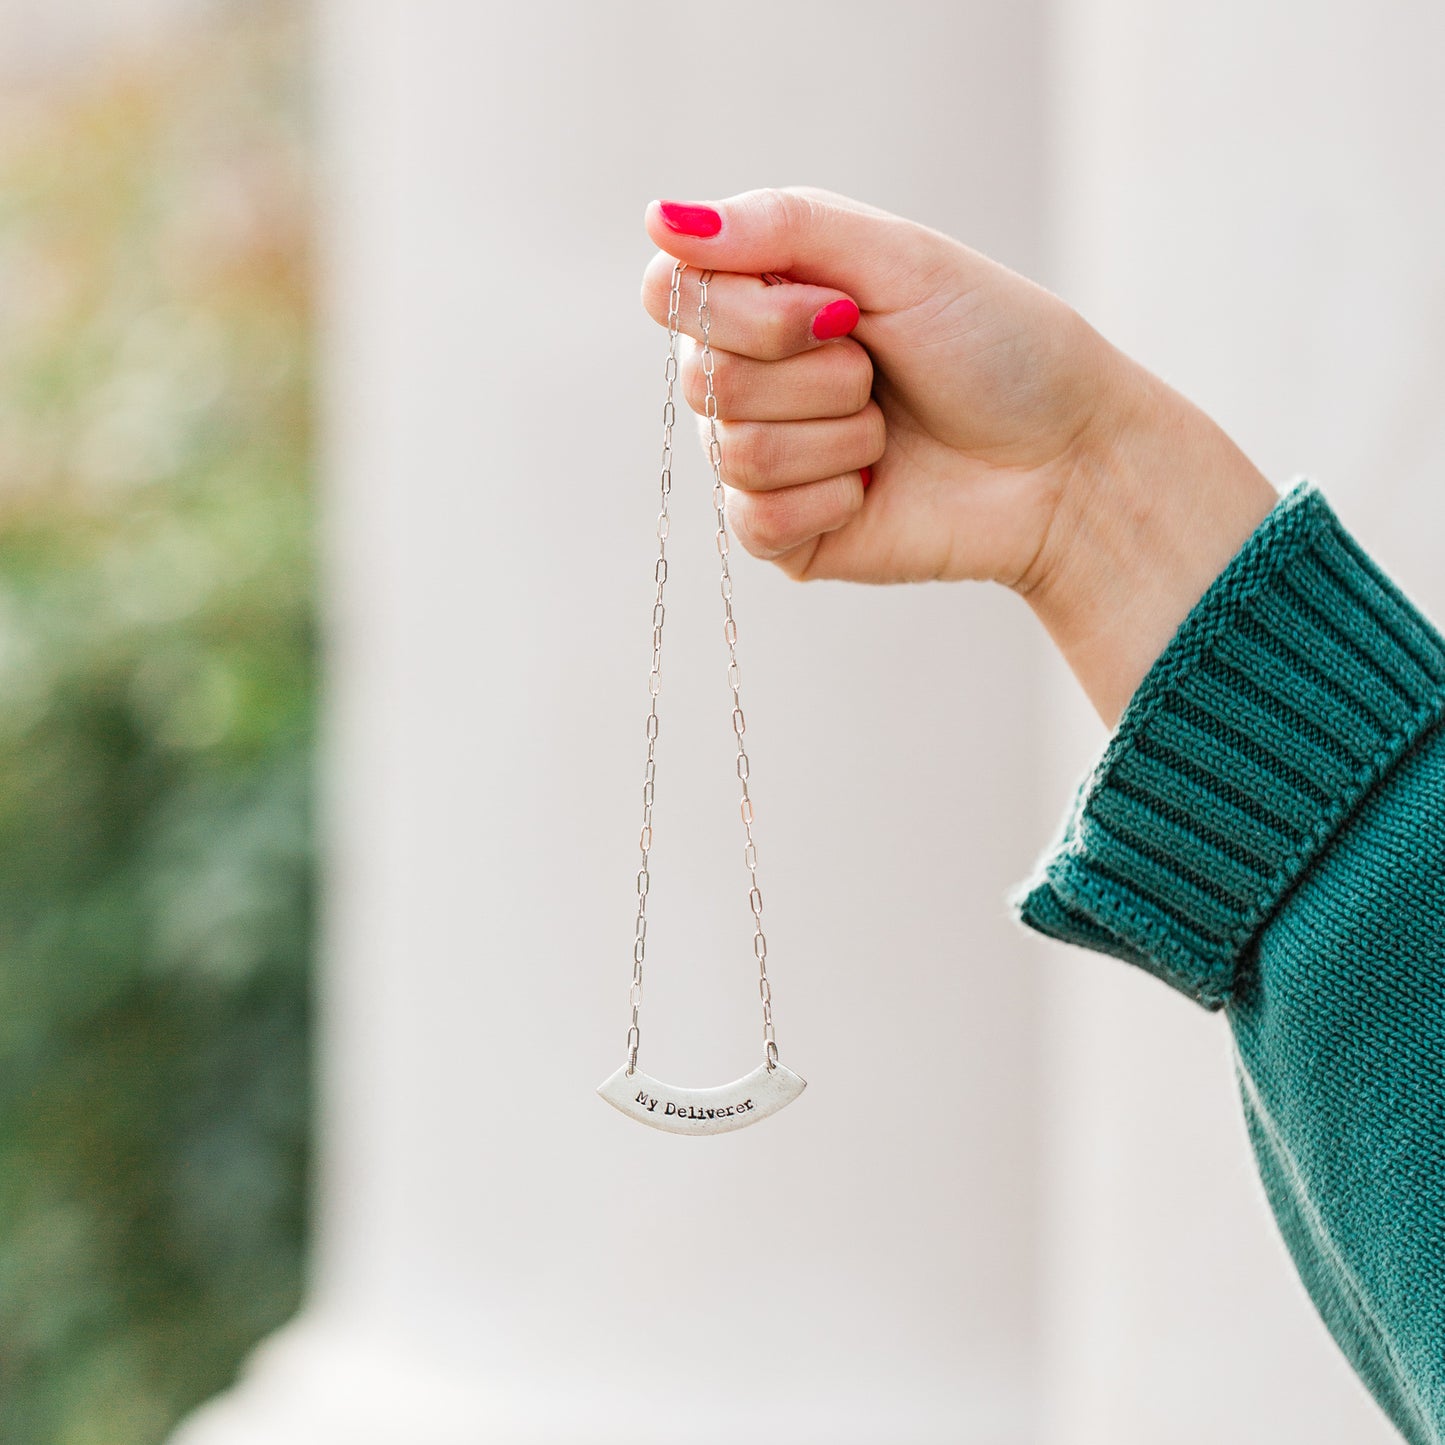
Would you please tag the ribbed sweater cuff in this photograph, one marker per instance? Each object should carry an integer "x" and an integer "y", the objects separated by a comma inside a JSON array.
[{"x": 1296, "y": 682}]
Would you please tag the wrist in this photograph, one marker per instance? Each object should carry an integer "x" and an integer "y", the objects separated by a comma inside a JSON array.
[{"x": 1156, "y": 501}]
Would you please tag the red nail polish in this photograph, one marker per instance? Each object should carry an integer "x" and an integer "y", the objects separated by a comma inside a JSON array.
[
  {"x": 690, "y": 220},
  {"x": 867, "y": 474},
  {"x": 837, "y": 318}
]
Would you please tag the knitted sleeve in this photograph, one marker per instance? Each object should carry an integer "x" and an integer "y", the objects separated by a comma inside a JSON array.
[{"x": 1265, "y": 832}]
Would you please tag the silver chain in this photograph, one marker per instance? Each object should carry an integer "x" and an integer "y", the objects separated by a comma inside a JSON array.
[{"x": 730, "y": 636}]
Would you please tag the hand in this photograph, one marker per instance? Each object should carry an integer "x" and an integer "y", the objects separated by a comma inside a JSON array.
[
  {"x": 984, "y": 389},
  {"x": 1007, "y": 440}
]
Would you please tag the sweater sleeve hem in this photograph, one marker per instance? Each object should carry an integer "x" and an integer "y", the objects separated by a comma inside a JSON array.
[{"x": 1300, "y": 677}]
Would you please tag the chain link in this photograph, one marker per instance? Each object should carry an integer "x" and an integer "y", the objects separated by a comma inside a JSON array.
[
  {"x": 730, "y": 637},
  {"x": 654, "y": 680}
]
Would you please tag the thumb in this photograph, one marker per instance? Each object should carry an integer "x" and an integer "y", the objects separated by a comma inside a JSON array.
[{"x": 882, "y": 261}]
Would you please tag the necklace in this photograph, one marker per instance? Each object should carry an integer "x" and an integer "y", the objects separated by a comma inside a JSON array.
[{"x": 770, "y": 1086}]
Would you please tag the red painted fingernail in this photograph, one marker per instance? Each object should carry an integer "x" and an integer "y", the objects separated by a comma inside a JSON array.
[
  {"x": 867, "y": 475},
  {"x": 837, "y": 318},
  {"x": 690, "y": 220}
]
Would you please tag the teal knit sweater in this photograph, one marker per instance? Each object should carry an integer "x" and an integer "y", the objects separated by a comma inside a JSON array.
[{"x": 1265, "y": 831}]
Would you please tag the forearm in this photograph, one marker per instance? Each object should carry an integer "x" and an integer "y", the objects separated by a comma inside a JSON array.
[{"x": 1157, "y": 501}]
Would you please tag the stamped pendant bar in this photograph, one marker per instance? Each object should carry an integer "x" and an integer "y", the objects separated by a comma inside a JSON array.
[{"x": 702, "y": 1111}]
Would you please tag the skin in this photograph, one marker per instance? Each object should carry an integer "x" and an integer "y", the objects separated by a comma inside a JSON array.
[{"x": 1009, "y": 442}]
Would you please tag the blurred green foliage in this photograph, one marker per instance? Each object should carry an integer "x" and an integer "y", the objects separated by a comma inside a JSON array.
[{"x": 157, "y": 690}]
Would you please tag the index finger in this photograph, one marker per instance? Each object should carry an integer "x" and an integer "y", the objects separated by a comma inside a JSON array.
[{"x": 747, "y": 315}]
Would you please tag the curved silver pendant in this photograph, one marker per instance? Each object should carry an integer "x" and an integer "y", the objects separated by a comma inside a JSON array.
[{"x": 702, "y": 1111}]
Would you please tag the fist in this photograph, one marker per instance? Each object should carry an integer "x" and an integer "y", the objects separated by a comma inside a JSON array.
[{"x": 904, "y": 409}]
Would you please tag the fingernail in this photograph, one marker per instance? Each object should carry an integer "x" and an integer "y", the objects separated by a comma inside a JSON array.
[
  {"x": 690, "y": 220},
  {"x": 867, "y": 475},
  {"x": 837, "y": 318}
]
